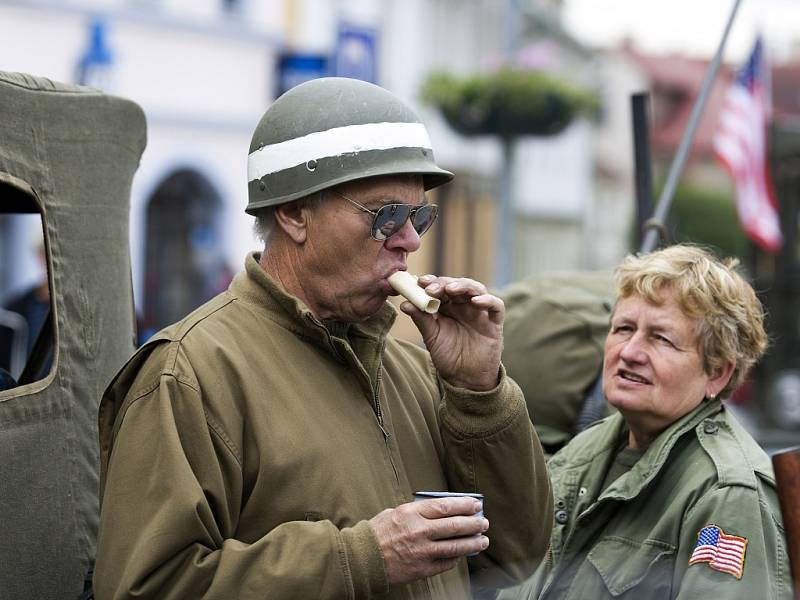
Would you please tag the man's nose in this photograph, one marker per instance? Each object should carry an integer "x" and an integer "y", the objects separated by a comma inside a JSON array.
[{"x": 406, "y": 238}]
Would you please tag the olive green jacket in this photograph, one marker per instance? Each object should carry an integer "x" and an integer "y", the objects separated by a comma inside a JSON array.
[
  {"x": 244, "y": 449},
  {"x": 634, "y": 540}
]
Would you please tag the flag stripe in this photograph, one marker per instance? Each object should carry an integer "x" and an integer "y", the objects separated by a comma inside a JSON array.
[{"x": 740, "y": 145}]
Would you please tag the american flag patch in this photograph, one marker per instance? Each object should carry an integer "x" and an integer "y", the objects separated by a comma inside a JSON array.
[{"x": 721, "y": 551}]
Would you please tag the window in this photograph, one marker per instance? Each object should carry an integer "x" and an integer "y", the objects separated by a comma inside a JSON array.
[
  {"x": 184, "y": 261},
  {"x": 26, "y": 335}
]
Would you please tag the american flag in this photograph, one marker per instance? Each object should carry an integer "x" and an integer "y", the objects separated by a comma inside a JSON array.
[
  {"x": 740, "y": 144},
  {"x": 721, "y": 551}
]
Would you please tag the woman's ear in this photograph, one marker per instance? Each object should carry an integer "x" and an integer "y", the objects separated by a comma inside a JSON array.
[
  {"x": 719, "y": 379},
  {"x": 292, "y": 218}
]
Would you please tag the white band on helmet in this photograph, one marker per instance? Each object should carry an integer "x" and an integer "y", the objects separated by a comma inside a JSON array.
[{"x": 335, "y": 142}]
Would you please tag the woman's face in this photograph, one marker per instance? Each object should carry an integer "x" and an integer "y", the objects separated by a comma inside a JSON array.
[{"x": 653, "y": 370}]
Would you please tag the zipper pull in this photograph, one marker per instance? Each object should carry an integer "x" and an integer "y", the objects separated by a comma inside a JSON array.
[{"x": 386, "y": 434}]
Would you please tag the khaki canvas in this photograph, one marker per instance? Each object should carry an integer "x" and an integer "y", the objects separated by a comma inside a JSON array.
[{"x": 68, "y": 153}]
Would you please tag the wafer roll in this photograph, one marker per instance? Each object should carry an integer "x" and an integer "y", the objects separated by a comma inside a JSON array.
[{"x": 405, "y": 284}]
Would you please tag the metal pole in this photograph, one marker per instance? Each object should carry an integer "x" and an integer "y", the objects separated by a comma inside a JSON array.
[
  {"x": 512, "y": 29},
  {"x": 641, "y": 157},
  {"x": 505, "y": 218},
  {"x": 504, "y": 245},
  {"x": 665, "y": 199}
]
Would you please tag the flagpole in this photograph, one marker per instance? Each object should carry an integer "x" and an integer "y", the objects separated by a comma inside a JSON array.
[{"x": 656, "y": 223}]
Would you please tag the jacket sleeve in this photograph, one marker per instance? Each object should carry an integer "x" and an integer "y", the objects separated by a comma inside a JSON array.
[
  {"x": 746, "y": 512},
  {"x": 492, "y": 448},
  {"x": 168, "y": 525}
]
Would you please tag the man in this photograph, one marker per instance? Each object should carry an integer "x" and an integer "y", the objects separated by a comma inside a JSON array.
[{"x": 269, "y": 444}]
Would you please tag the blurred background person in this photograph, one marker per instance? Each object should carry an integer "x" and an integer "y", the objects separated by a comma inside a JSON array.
[
  {"x": 23, "y": 316},
  {"x": 671, "y": 497},
  {"x": 33, "y": 304},
  {"x": 555, "y": 329}
]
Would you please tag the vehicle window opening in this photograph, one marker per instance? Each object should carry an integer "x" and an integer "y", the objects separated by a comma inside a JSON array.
[{"x": 26, "y": 328}]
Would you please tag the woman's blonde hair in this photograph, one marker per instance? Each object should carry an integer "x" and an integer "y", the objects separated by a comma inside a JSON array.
[{"x": 729, "y": 316}]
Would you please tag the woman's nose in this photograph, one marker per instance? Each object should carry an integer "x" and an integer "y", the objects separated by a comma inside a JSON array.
[{"x": 633, "y": 349}]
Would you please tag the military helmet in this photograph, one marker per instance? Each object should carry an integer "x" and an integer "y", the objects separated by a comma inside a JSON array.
[{"x": 332, "y": 130}]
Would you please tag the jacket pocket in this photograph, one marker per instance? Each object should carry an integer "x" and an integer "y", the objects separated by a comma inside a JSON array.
[{"x": 625, "y": 564}]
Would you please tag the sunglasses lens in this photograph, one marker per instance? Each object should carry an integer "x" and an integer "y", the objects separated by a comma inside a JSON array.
[
  {"x": 389, "y": 220},
  {"x": 424, "y": 218}
]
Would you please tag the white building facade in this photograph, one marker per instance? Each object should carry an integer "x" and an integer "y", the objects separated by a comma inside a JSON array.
[{"x": 205, "y": 70}]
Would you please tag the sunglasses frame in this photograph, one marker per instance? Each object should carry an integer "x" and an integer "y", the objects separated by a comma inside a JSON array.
[{"x": 375, "y": 231}]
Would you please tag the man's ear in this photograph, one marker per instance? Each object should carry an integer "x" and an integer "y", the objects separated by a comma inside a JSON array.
[{"x": 292, "y": 218}]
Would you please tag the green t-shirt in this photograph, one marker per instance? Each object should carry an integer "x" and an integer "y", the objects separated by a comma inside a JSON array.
[{"x": 623, "y": 462}]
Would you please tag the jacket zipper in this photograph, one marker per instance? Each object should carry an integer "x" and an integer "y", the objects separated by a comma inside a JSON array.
[
  {"x": 379, "y": 415},
  {"x": 376, "y": 403}
]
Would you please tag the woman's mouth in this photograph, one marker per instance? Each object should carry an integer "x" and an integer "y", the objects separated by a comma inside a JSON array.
[{"x": 631, "y": 376}]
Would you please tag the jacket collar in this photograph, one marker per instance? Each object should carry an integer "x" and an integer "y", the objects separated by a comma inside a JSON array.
[
  {"x": 265, "y": 296},
  {"x": 651, "y": 463}
]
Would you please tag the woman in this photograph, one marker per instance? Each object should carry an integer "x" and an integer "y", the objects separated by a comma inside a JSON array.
[{"x": 671, "y": 497}]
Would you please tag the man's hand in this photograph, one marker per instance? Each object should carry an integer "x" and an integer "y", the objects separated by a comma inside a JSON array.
[
  {"x": 465, "y": 338},
  {"x": 425, "y": 538}
]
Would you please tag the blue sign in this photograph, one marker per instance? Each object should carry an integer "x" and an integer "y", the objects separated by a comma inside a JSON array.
[
  {"x": 356, "y": 53},
  {"x": 95, "y": 66},
  {"x": 295, "y": 68}
]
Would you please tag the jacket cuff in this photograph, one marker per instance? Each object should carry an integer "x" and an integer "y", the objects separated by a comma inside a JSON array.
[
  {"x": 472, "y": 414},
  {"x": 367, "y": 572}
]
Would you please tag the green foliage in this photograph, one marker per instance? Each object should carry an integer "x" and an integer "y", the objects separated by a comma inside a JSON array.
[
  {"x": 708, "y": 217},
  {"x": 507, "y": 103}
]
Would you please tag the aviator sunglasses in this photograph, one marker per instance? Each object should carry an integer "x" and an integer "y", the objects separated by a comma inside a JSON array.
[{"x": 390, "y": 218}]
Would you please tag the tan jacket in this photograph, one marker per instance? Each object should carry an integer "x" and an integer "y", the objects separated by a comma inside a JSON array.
[{"x": 244, "y": 448}]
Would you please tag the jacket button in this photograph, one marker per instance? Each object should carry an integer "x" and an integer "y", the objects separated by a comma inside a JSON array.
[
  {"x": 710, "y": 426},
  {"x": 561, "y": 516},
  {"x": 561, "y": 504}
]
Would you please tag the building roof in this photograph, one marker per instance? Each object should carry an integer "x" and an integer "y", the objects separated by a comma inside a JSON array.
[{"x": 675, "y": 81}]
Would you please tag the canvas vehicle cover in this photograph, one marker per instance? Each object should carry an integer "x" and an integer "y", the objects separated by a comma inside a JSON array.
[
  {"x": 554, "y": 332},
  {"x": 68, "y": 153}
]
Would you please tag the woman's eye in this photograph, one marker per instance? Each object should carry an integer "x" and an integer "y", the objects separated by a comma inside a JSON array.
[{"x": 663, "y": 340}]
